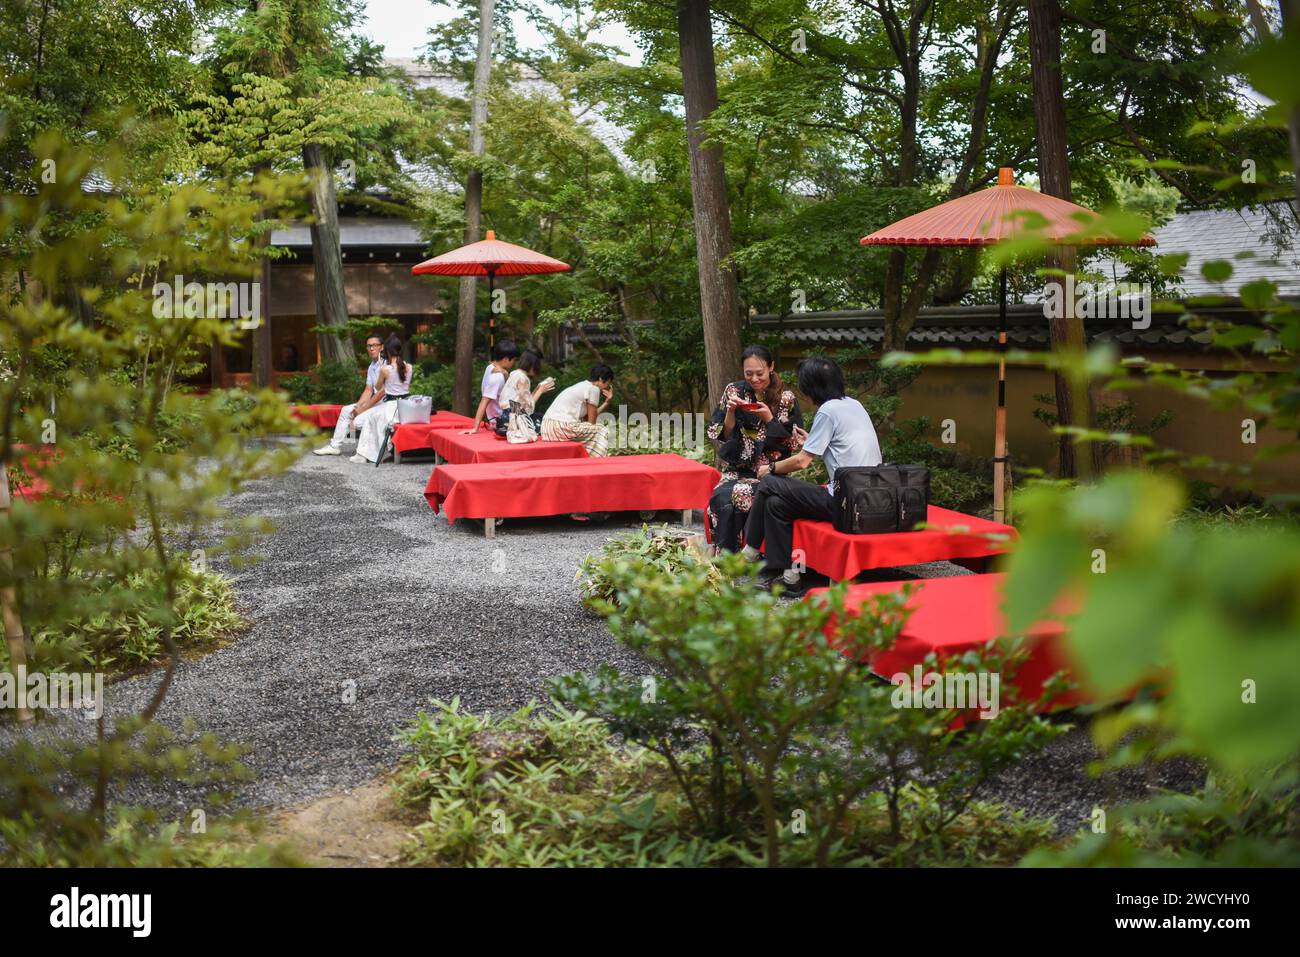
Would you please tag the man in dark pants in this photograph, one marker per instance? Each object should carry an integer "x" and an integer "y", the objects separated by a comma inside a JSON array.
[{"x": 842, "y": 434}]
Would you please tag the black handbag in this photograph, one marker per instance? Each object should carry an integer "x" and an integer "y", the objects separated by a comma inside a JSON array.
[{"x": 871, "y": 499}]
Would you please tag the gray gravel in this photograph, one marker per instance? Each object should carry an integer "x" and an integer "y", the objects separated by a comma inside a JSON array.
[{"x": 360, "y": 582}]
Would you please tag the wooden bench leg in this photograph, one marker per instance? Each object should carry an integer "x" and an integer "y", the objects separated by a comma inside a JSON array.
[
  {"x": 688, "y": 516},
  {"x": 490, "y": 527},
  {"x": 397, "y": 457}
]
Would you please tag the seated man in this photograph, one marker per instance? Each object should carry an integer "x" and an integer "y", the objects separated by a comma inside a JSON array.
[
  {"x": 842, "y": 434},
  {"x": 504, "y": 354},
  {"x": 369, "y": 399},
  {"x": 572, "y": 416}
]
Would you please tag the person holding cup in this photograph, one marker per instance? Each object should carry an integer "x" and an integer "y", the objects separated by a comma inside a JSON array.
[{"x": 520, "y": 398}]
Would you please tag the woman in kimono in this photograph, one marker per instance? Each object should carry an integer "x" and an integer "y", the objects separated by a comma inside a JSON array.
[{"x": 754, "y": 421}]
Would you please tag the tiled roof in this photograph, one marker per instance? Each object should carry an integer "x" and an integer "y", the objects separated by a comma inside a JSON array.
[
  {"x": 1205, "y": 235},
  {"x": 355, "y": 231},
  {"x": 973, "y": 327}
]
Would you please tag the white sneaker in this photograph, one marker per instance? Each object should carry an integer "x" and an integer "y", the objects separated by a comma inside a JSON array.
[
  {"x": 326, "y": 450},
  {"x": 359, "y": 460}
]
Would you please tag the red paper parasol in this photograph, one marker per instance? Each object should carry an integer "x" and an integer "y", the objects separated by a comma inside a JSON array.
[
  {"x": 997, "y": 214},
  {"x": 489, "y": 257}
]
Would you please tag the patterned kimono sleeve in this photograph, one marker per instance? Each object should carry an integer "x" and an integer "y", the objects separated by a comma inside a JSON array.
[
  {"x": 731, "y": 449},
  {"x": 781, "y": 430}
]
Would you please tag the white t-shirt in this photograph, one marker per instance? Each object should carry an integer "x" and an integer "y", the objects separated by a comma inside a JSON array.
[
  {"x": 842, "y": 434},
  {"x": 494, "y": 381},
  {"x": 567, "y": 406}
]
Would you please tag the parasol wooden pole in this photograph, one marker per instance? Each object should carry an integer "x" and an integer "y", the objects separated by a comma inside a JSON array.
[
  {"x": 1000, "y": 420},
  {"x": 492, "y": 316}
]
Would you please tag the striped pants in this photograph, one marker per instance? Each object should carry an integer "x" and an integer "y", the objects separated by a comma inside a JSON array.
[{"x": 593, "y": 436}]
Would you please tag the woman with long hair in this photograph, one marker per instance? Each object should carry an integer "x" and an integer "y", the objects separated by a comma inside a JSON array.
[
  {"x": 394, "y": 383},
  {"x": 754, "y": 423},
  {"x": 520, "y": 398}
]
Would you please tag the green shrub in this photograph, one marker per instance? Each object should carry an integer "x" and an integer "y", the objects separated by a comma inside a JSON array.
[
  {"x": 1208, "y": 615},
  {"x": 328, "y": 383},
  {"x": 532, "y": 790},
  {"x": 666, "y": 551},
  {"x": 437, "y": 381},
  {"x": 765, "y": 723},
  {"x": 126, "y": 629},
  {"x": 128, "y": 836},
  {"x": 555, "y": 788}
]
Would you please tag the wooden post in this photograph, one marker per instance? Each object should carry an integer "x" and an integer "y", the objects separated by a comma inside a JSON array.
[
  {"x": 1000, "y": 419},
  {"x": 490, "y": 528}
]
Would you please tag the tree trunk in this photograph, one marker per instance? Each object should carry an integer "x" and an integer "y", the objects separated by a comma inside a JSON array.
[
  {"x": 1290, "y": 10},
  {"x": 463, "y": 395},
  {"x": 327, "y": 256},
  {"x": 261, "y": 337},
  {"x": 1073, "y": 403},
  {"x": 9, "y": 603},
  {"x": 718, "y": 297}
]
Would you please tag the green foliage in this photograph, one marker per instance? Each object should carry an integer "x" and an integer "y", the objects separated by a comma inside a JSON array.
[
  {"x": 100, "y": 565},
  {"x": 771, "y": 728},
  {"x": 40, "y": 827},
  {"x": 529, "y": 790},
  {"x": 127, "y": 630},
  {"x": 330, "y": 383},
  {"x": 556, "y": 789},
  {"x": 437, "y": 381},
  {"x": 660, "y": 549},
  {"x": 1206, "y": 613}
]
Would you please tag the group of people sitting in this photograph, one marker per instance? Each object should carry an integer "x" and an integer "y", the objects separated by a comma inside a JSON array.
[
  {"x": 507, "y": 390},
  {"x": 388, "y": 379},
  {"x": 757, "y": 424},
  {"x": 761, "y": 440}
]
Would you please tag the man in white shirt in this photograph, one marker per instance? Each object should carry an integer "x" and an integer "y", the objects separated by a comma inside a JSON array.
[
  {"x": 504, "y": 354},
  {"x": 843, "y": 435},
  {"x": 572, "y": 415},
  {"x": 369, "y": 398}
]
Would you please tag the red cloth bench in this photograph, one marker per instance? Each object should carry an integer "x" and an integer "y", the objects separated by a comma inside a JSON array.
[
  {"x": 411, "y": 436},
  {"x": 321, "y": 416},
  {"x": 486, "y": 446},
  {"x": 950, "y": 536},
  {"x": 951, "y": 616},
  {"x": 493, "y": 490}
]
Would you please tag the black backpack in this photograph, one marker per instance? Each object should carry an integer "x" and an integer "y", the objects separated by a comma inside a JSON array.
[{"x": 870, "y": 499}]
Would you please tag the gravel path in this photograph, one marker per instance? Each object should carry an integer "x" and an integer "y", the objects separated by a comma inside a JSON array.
[{"x": 361, "y": 588}]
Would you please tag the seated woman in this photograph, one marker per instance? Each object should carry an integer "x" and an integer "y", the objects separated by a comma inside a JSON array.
[
  {"x": 520, "y": 398},
  {"x": 394, "y": 383},
  {"x": 843, "y": 435},
  {"x": 746, "y": 438}
]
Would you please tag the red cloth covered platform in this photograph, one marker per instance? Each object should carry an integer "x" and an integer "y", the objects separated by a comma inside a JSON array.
[
  {"x": 951, "y": 616},
  {"x": 487, "y": 446},
  {"x": 951, "y": 536},
  {"x": 321, "y": 416},
  {"x": 413, "y": 436},
  {"x": 559, "y": 486}
]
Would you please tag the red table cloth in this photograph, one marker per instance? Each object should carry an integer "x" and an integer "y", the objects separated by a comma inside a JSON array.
[
  {"x": 950, "y": 535},
  {"x": 951, "y": 616},
  {"x": 487, "y": 446},
  {"x": 415, "y": 435},
  {"x": 321, "y": 416},
  {"x": 558, "y": 486}
]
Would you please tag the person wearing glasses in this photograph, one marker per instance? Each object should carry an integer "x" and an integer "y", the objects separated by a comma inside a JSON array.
[
  {"x": 370, "y": 397},
  {"x": 394, "y": 384}
]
